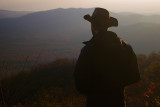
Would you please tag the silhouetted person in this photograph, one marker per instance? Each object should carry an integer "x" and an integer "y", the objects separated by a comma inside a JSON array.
[{"x": 106, "y": 64}]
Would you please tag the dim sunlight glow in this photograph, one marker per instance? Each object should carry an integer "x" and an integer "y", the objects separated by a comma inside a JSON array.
[{"x": 139, "y": 6}]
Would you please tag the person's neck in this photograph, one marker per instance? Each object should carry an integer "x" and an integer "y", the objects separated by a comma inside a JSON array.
[{"x": 96, "y": 32}]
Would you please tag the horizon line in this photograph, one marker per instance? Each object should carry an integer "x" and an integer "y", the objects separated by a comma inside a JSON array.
[{"x": 115, "y": 11}]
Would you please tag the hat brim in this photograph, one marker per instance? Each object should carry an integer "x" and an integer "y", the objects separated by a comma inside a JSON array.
[
  {"x": 113, "y": 22},
  {"x": 88, "y": 18}
]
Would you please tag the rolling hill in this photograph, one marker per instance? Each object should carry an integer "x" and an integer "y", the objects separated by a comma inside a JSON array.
[
  {"x": 12, "y": 14},
  {"x": 60, "y": 32}
]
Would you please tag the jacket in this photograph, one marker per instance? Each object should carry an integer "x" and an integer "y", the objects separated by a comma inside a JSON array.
[{"x": 105, "y": 62}]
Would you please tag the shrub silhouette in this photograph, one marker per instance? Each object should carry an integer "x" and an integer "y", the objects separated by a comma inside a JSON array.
[
  {"x": 52, "y": 85},
  {"x": 25, "y": 85}
]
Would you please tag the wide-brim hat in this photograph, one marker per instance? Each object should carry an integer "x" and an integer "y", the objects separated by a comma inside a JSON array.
[{"x": 101, "y": 17}]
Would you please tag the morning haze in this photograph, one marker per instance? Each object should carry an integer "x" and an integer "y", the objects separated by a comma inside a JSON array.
[
  {"x": 136, "y": 6},
  {"x": 40, "y": 41}
]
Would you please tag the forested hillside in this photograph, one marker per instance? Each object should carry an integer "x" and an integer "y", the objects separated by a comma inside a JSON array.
[{"x": 52, "y": 85}]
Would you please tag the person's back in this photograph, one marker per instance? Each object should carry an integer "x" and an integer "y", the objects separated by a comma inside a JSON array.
[
  {"x": 106, "y": 69},
  {"x": 100, "y": 69}
]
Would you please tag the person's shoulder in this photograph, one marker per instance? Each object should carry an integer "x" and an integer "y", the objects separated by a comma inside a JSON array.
[
  {"x": 88, "y": 47},
  {"x": 125, "y": 44},
  {"x": 107, "y": 39},
  {"x": 113, "y": 34},
  {"x": 127, "y": 47},
  {"x": 111, "y": 38}
]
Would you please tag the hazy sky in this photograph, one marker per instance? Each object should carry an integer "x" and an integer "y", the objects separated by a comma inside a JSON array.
[{"x": 145, "y": 6}]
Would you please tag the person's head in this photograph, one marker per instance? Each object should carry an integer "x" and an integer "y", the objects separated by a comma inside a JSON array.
[{"x": 100, "y": 20}]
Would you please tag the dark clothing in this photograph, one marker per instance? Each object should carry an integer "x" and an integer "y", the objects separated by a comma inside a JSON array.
[
  {"x": 100, "y": 70},
  {"x": 111, "y": 98}
]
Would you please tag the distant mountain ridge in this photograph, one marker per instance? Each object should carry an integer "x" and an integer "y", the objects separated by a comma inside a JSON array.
[
  {"x": 53, "y": 21},
  {"x": 12, "y": 14},
  {"x": 65, "y": 30}
]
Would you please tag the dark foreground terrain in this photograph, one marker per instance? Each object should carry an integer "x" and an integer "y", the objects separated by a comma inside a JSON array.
[{"x": 52, "y": 85}]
